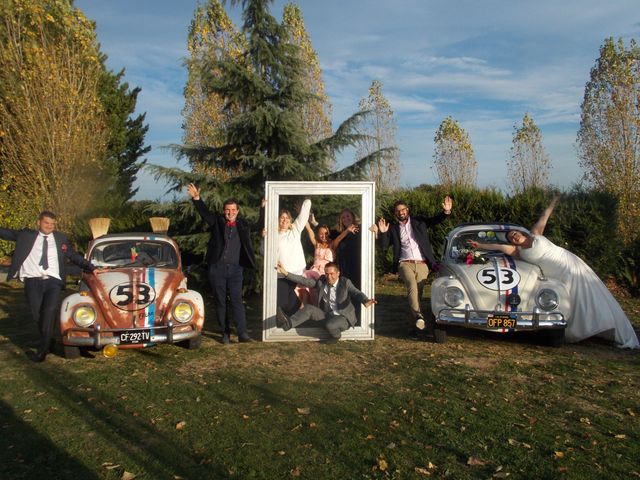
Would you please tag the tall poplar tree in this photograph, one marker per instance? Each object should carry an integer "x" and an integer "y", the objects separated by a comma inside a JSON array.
[
  {"x": 316, "y": 114},
  {"x": 54, "y": 135},
  {"x": 609, "y": 135},
  {"x": 528, "y": 165},
  {"x": 454, "y": 160},
  {"x": 380, "y": 127}
]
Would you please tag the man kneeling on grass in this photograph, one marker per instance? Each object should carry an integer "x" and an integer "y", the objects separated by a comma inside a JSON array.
[{"x": 335, "y": 302}]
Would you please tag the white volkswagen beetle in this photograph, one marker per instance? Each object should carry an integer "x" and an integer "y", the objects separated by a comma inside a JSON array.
[{"x": 489, "y": 290}]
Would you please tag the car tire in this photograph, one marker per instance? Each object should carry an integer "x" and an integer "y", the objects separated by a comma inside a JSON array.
[
  {"x": 70, "y": 352},
  {"x": 440, "y": 334},
  {"x": 192, "y": 343},
  {"x": 555, "y": 338}
]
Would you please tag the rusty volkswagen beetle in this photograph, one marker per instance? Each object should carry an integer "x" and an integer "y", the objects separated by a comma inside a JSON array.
[
  {"x": 139, "y": 298},
  {"x": 489, "y": 290}
]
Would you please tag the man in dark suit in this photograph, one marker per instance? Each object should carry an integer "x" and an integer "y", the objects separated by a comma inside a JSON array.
[
  {"x": 229, "y": 252},
  {"x": 39, "y": 261},
  {"x": 335, "y": 302},
  {"x": 412, "y": 250}
]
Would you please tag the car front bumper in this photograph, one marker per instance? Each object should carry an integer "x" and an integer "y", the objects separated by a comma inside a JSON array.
[
  {"x": 98, "y": 337},
  {"x": 525, "y": 321}
]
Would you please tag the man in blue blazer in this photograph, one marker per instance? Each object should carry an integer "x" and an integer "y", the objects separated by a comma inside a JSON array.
[
  {"x": 335, "y": 308},
  {"x": 229, "y": 252},
  {"x": 39, "y": 262}
]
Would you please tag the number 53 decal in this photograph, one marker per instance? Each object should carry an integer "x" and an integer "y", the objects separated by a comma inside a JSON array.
[
  {"x": 132, "y": 296},
  {"x": 505, "y": 279}
]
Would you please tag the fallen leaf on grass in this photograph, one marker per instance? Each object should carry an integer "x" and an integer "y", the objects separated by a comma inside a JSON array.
[
  {"x": 558, "y": 454},
  {"x": 181, "y": 425},
  {"x": 245, "y": 417},
  {"x": 422, "y": 471},
  {"x": 501, "y": 474},
  {"x": 585, "y": 420},
  {"x": 620, "y": 436},
  {"x": 474, "y": 461},
  {"x": 303, "y": 410},
  {"x": 563, "y": 469},
  {"x": 110, "y": 466},
  {"x": 382, "y": 464},
  {"x": 128, "y": 475},
  {"x": 370, "y": 437},
  {"x": 295, "y": 472}
]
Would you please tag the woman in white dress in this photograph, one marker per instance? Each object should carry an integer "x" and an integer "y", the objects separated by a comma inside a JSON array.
[
  {"x": 291, "y": 255},
  {"x": 595, "y": 311}
]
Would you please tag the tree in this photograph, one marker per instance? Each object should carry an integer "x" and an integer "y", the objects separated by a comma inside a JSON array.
[
  {"x": 316, "y": 114},
  {"x": 528, "y": 164},
  {"x": 609, "y": 134},
  {"x": 380, "y": 128},
  {"x": 53, "y": 124},
  {"x": 263, "y": 138},
  {"x": 125, "y": 144},
  {"x": 454, "y": 159},
  {"x": 212, "y": 35}
]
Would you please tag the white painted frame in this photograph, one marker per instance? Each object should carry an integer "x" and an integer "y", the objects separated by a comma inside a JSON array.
[{"x": 273, "y": 191}]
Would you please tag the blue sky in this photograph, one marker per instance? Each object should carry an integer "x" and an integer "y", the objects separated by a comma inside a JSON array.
[{"x": 486, "y": 63}]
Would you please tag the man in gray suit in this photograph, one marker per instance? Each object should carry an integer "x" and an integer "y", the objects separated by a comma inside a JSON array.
[{"x": 335, "y": 302}]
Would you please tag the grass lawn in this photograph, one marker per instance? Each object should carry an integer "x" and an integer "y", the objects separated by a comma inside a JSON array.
[{"x": 479, "y": 406}]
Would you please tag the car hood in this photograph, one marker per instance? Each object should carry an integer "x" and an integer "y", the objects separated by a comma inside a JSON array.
[
  {"x": 141, "y": 295},
  {"x": 486, "y": 284}
]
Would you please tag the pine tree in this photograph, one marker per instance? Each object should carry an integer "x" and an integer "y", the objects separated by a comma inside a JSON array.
[
  {"x": 529, "y": 164},
  {"x": 380, "y": 127},
  {"x": 454, "y": 159}
]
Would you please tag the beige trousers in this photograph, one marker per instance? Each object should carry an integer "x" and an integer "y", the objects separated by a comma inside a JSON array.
[{"x": 414, "y": 276}]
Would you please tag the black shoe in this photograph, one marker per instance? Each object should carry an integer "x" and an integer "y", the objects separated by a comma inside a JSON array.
[
  {"x": 413, "y": 334},
  {"x": 282, "y": 321},
  {"x": 37, "y": 357},
  {"x": 245, "y": 339},
  {"x": 225, "y": 339}
]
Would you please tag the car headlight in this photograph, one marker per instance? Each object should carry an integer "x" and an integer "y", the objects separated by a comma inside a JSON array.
[
  {"x": 84, "y": 315},
  {"x": 453, "y": 296},
  {"x": 547, "y": 299},
  {"x": 182, "y": 312}
]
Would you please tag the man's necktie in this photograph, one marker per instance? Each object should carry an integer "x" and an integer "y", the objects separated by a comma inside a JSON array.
[{"x": 44, "y": 260}]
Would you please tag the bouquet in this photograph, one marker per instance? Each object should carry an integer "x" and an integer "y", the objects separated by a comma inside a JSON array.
[{"x": 470, "y": 257}]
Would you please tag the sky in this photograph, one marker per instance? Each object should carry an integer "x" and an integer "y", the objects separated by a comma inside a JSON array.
[{"x": 485, "y": 63}]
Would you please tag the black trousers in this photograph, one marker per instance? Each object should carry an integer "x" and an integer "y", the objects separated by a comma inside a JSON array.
[
  {"x": 226, "y": 280},
  {"x": 42, "y": 296},
  {"x": 287, "y": 299}
]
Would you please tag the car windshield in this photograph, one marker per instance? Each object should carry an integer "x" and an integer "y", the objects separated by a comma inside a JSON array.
[
  {"x": 134, "y": 253},
  {"x": 460, "y": 243}
]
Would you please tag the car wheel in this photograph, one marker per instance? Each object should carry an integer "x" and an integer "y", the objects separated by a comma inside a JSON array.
[
  {"x": 192, "y": 343},
  {"x": 71, "y": 352},
  {"x": 440, "y": 334},
  {"x": 555, "y": 338}
]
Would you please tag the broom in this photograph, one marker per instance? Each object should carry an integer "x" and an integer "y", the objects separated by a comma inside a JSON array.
[
  {"x": 99, "y": 226},
  {"x": 159, "y": 224}
]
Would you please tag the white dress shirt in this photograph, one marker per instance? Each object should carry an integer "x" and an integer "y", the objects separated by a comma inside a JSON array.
[
  {"x": 31, "y": 267},
  {"x": 409, "y": 249}
]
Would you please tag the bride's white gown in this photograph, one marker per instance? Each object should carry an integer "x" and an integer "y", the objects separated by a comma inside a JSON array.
[{"x": 595, "y": 311}]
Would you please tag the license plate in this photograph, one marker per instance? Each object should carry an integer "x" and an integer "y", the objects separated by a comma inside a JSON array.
[
  {"x": 501, "y": 320},
  {"x": 135, "y": 336}
]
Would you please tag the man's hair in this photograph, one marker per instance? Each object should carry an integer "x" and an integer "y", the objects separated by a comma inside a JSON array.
[
  {"x": 400, "y": 202},
  {"x": 332, "y": 264},
  {"x": 48, "y": 214},
  {"x": 231, "y": 201}
]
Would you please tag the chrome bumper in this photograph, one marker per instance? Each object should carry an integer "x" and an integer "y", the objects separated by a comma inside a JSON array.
[
  {"x": 98, "y": 337},
  {"x": 535, "y": 320}
]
